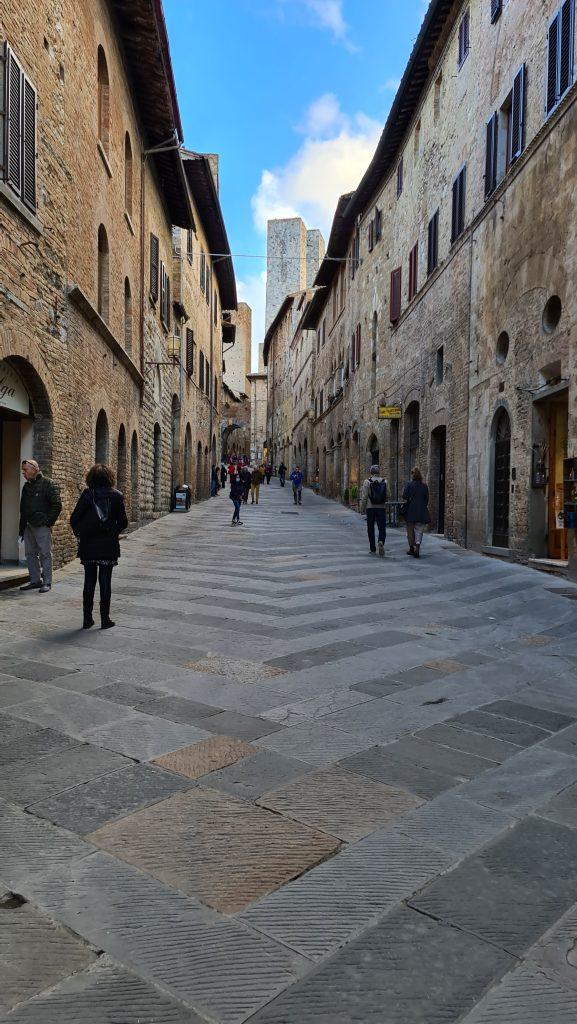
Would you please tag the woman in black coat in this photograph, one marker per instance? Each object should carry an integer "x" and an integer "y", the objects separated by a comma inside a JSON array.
[
  {"x": 97, "y": 521},
  {"x": 416, "y": 498}
]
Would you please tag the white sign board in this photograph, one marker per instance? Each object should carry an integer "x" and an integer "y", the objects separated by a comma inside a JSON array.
[{"x": 13, "y": 394}]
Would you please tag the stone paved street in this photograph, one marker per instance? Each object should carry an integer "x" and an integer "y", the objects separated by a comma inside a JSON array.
[{"x": 295, "y": 784}]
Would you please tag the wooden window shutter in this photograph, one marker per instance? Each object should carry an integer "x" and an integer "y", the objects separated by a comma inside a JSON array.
[
  {"x": 413, "y": 270},
  {"x": 491, "y": 154},
  {"x": 189, "y": 344},
  {"x": 371, "y": 236},
  {"x": 395, "y": 302},
  {"x": 207, "y": 290},
  {"x": 168, "y": 304},
  {"x": 162, "y": 293},
  {"x": 14, "y": 123},
  {"x": 378, "y": 225},
  {"x": 517, "y": 116},
  {"x": 353, "y": 352},
  {"x": 459, "y": 192},
  {"x": 496, "y": 8},
  {"x": 29, "y": 144},
  {"x": 154, "y": 267},
  {"x": 399, "y": 177},
  {"x": 433, "y": 244},
  {"x": 358, "y": 353},
  {"x": 566, "y": 46},
  {"x": 201, "y": 371},
  {"x": 552, "y": 61}
]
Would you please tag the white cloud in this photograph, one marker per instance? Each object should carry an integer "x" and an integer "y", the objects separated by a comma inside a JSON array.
[
  {"x": 326, "y": 14},
  {"x": 391, "y": 85},
  {"x": 331, "y": 160},
  {"x": 252, "y": 289}
]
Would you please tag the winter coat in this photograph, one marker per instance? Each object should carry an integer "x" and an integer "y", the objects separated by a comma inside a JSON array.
[
  {"x": 98, "y": 541},
  {"x": 365, "y": 500},
  {"x": 236, "y": 488},
  {"x": 40, "y": 503},
  {"x": 297, "y": 479},
  {"x": 256, "y": 477},
  {"x": 416, "y": 495}
]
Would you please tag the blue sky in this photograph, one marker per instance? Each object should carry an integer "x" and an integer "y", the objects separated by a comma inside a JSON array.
[{"x": 292, "y": 94}]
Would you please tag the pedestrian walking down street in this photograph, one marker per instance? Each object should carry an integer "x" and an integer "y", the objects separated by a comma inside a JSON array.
[
  {"x": 268, "y": 472},
  {"x": 223, "y": 475},
  {"x": 231, "y": 471},
  {"x": 373, "y": 502},
  {"x": 416, "y": 511},
  {"x": 282, "y": 473},
  {"x": 97, "y": 521},
  {"x": 246, "y": 477},
  {"x": 40, "y": 507},
  {"x": 214, "y": 481},
  {"x": 255, "y": 482},
  {"x": 297, "y": 482},
  {"x": 236, "y": 495}
]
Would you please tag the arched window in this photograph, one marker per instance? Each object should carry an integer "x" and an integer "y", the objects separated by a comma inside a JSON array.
[
  {"x": 101, "y": 446},
  {"x": 134, "y": 476},
  {"x": 103, "y": 273},
  {"x": 128, "y": 175},
  {"x": 121, "y": 460},
  {"x": 157, "y": 466},
  {"x": 103, "y": 101},
  {"x": 127, "y": 316}
]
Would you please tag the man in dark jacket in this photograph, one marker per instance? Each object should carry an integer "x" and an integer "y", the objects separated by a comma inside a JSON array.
[
  {"x": 374, "y": 503},
  {"x": 40, "y": 507}
]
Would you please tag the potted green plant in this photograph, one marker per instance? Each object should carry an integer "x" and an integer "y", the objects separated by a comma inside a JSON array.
[{"x": 354, "y": 495}]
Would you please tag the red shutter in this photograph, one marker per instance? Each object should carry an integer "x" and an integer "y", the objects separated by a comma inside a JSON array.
[
  {"x": 14, "y": 123},
  {"x": 552, "y": 61},
  {"x": 395, "y": 303},
  {"x": 154, "y": 267},
  {"x": 517, "y": 116},
  {"x": 566, "y": 47},
  {"x": 491, "y": 154}
]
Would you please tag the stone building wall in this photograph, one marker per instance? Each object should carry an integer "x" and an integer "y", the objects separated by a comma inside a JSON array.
[{"x": 238, "y": 358}]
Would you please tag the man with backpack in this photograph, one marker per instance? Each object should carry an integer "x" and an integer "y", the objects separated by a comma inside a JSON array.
[
  {"x": 297, "y": 482},
  {"x": 373, "y": 502}
]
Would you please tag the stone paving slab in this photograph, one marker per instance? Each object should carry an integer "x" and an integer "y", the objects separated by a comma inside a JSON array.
[
  {"x": 337, "y": 650},
  {"x": 18, "y": 691},
  {"x": 92, "y": 804},
  {"x": 565, "y": 742},
  {"x": 104, "y": 994},
  {"x": 316, "y": 743},
  {"x": 51, "y": 774},
  {"x": 216, "y": 966},
  {"x": 562, "y": 808},
  {"x": 513, "y": 890},
  {"x": 129, "y": 694},
  {"x": 507, "y": 729},
  {"x": 375, "y": 978},
  {"x": 523, "y": 783},
  {"x": 242, "y": 727},
  {"x": 30, "y": 846},
  {"x": 73, "y": 713},
  {"x": 454, "y": 824},
  {"x": 25, "y": 668},
  {"x": 256, "y": 774},
  {"x": 334, "y": 902},
  {"x": 455, "y": 763},
  {"x": 486, "y": 747},
  {"x": 556, "y": 951},
  {"x": 526, "y": 996},
  {"x": 342, "y": 804},
  {"x": 208, "y": 755},
  {"x": 548, "y": 720},
  {"x": 35, "y": 953},
  {"x": 377, "y": 764},
  {"x": 33, "y": 743},
  {"x": 143, "y": 737},
  {"x": 177, "y": 709},
  {"x": 223, "y": 851}
]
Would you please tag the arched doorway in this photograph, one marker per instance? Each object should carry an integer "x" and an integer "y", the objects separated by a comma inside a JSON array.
[
  {"x": 175, "y": 442},
  {"x": 188, "y": 455},
  {"x": 437, "y": 477},
  {"x": 26, "y": 432},
  {"x": 134, "y": 477},
  {"x": 101, "y": 438},
  {"x": 157, "y": 467},
  {"x": 501, "y": 478},
  {"x": 198, "y": 487},
  {"x": 121, "y": 467},
  {"x": 412, "y": 417},
  {"x": 373, "y": 452}
]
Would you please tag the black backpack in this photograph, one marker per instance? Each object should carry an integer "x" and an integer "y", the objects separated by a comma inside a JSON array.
[{"x": 378, "y": 491}]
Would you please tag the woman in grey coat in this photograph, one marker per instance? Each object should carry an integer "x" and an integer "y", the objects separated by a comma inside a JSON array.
[{"x": 416, "y": 498}]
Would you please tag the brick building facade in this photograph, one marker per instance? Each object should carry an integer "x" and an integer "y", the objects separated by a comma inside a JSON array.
[
  {"x": 447, "y": 292},
  {"x": 96, "y": 295}
]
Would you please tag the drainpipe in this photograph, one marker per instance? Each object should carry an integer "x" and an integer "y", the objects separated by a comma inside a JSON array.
[
  {"x": 466, "y": 537},
  {"x": 141, "y": 309}
]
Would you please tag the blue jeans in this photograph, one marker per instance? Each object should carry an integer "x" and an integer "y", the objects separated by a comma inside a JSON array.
[
  {"x": 378, "y": 517},
  {"x": 236, "y": 514}
]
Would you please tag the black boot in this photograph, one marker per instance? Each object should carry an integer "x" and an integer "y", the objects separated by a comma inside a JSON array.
[
  {"x": 87, "y": 621},
  {"x": 105, "y": 620}
]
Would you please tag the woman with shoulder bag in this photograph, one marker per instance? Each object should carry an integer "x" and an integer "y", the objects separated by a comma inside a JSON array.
[
  {"x": 415, "y": 511},
  {"x": 97, "y": 521}
]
